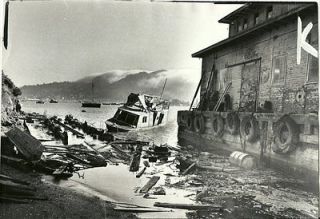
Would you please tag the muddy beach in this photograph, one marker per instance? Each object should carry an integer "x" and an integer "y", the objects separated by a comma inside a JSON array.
[{"x": 189, "y": 183}]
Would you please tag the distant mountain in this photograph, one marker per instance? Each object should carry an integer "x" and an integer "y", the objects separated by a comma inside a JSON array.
[{"x": 113, "y": 86}]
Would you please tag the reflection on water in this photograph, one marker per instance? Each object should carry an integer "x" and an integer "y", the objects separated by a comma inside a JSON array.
[
  {"x": 116, "y": 183},
  {"x": 97, "y": 117}
]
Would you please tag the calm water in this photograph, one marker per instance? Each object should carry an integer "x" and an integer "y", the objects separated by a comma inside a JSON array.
[
  {"x": 97, "y": 117},
  {"x": 116, "y": 183}
]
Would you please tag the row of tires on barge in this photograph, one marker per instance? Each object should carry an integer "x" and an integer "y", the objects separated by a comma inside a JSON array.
[{"x": 285, "y": 135}]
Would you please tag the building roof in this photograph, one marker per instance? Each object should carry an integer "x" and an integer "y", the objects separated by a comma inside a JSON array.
[
  {"x": 268, "y": 24},
  {"x": 230, "y": 17}
]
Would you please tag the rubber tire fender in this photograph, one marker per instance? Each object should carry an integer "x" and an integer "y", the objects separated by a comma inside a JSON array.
[
  {"x": 253, "y": 133},
  {"x": 179, "y": 119},
  {"x": 198, "y": 124},
  {"x": 232, "y": 127},
  {"x": 220, "y": 126},
  {"x": 291, "y": 142},
  {"x": 183, "y": 119},
  {"x": 189, "y": 122}
]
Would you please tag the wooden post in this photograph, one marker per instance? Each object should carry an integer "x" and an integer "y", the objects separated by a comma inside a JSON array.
[{"x": 195, "y": 94}]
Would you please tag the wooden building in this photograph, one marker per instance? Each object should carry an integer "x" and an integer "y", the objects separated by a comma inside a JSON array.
[{"x": 272, "y": 90}]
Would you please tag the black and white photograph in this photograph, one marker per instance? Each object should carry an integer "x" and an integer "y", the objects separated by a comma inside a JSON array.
[{"x": 159, "y": 109}]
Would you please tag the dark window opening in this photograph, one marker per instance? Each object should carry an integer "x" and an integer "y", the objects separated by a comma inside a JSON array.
[
  {"x": 279, "y": 69},
  {"x": 239, "y": 27},
  {"x": 256, "y": 18},
  {"x": 269, "y": 12},
  {"x": 245, "y": 24},
  {"x": 126, "y": 117},
  {"x": 160, "y": 118},
  {"x": 144, "y": 119},
  {"x": 313, "y": 69}
]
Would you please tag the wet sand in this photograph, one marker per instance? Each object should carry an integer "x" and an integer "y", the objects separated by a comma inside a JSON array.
[{"x": 61, "y": 203}]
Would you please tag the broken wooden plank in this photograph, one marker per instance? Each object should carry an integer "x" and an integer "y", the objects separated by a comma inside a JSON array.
[
  {"x": 150, "y": 184},
  {"x": 187, "y": 206},
  {"x": 138, "y": 210},
  {"x": 62, "y": 172},
  {"x": 135, "y": 161},
  {"x": 141, "y": 172},
  {"x": 77, "y": 159},
  {"x": 186, "y": 171},
  {"x": 66, "y": 127},
  {"x": 117, "y": 149},
  {"x": 219, "y": 169},
  {"x": 26, "y": 144}
]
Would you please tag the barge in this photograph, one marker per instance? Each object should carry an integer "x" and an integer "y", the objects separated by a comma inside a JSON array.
[
  {"x": 141, "y": 111},
  {"x": 259, "y": 89}
]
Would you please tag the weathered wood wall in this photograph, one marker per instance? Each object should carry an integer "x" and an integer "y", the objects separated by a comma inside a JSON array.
[{"x": 281, "y": 42}]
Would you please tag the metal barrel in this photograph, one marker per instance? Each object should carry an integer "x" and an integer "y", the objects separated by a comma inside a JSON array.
[{"x": 243, "y": 160}]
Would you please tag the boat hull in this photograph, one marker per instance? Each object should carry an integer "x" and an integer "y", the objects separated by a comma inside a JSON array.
[
  {"x": 302, "y": 162},
  {"x": 92, "y": 105}
]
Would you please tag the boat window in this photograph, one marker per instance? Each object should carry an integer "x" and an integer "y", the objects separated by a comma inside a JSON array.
[
  {"x": 131, "y": 119},
  {"x": 144, "y": 119},
  {"x": 122, "y": 115},
  {"x": 117, "y": 113},
  {"x": 126, "y": 117}
]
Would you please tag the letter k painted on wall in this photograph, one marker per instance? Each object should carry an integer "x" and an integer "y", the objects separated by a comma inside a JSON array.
[{"x": 301, "y": 41}]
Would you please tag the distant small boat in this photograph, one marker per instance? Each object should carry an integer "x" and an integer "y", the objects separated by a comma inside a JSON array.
[
  {"x": 40, "y": 102},
  {"x": 91, "y": 104},
  {"x": 53, "y": 101}
]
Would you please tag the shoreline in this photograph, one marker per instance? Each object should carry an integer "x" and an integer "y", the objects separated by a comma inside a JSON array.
[{"x": 61, "y": 203}]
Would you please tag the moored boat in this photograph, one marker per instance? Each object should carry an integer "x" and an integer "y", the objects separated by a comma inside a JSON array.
[
  {"x": 139, "y": 112},
  {"x": 40, "y": 102},
  {"x": 91, "y": 104}
]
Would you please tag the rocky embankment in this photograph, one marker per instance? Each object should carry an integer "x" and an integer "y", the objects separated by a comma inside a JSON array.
[{"x": 9, "y": 101}]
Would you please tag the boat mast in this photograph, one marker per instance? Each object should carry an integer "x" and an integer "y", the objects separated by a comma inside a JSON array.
[
  {"x": 92, "y": 93},
  {"x": 165, "y": 82}
]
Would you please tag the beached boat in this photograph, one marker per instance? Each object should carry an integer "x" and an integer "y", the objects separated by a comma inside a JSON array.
[{"x": 139, "y": 112}]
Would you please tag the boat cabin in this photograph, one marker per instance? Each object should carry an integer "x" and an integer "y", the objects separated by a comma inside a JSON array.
[{"x": 140, "y": 111}]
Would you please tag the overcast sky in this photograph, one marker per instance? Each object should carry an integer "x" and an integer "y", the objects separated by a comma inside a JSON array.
[{"x": 64, "y": 41}]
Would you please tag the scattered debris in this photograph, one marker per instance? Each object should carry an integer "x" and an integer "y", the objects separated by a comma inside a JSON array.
[
  {"x": 141, "y": 172},
  {"x": 135, "y": 159},
  {"x": 185, "y": 172},
  {"x": 150, "y": 184},
  {"x": 188, "y": 206},
  {"x": 27, "y": 145},
  {"x": 159, "y": 191}
]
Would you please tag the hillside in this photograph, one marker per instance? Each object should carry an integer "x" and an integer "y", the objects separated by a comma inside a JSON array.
[
  {"x": 9, "y": 99},
  {"x": 113, "y": 87}
]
